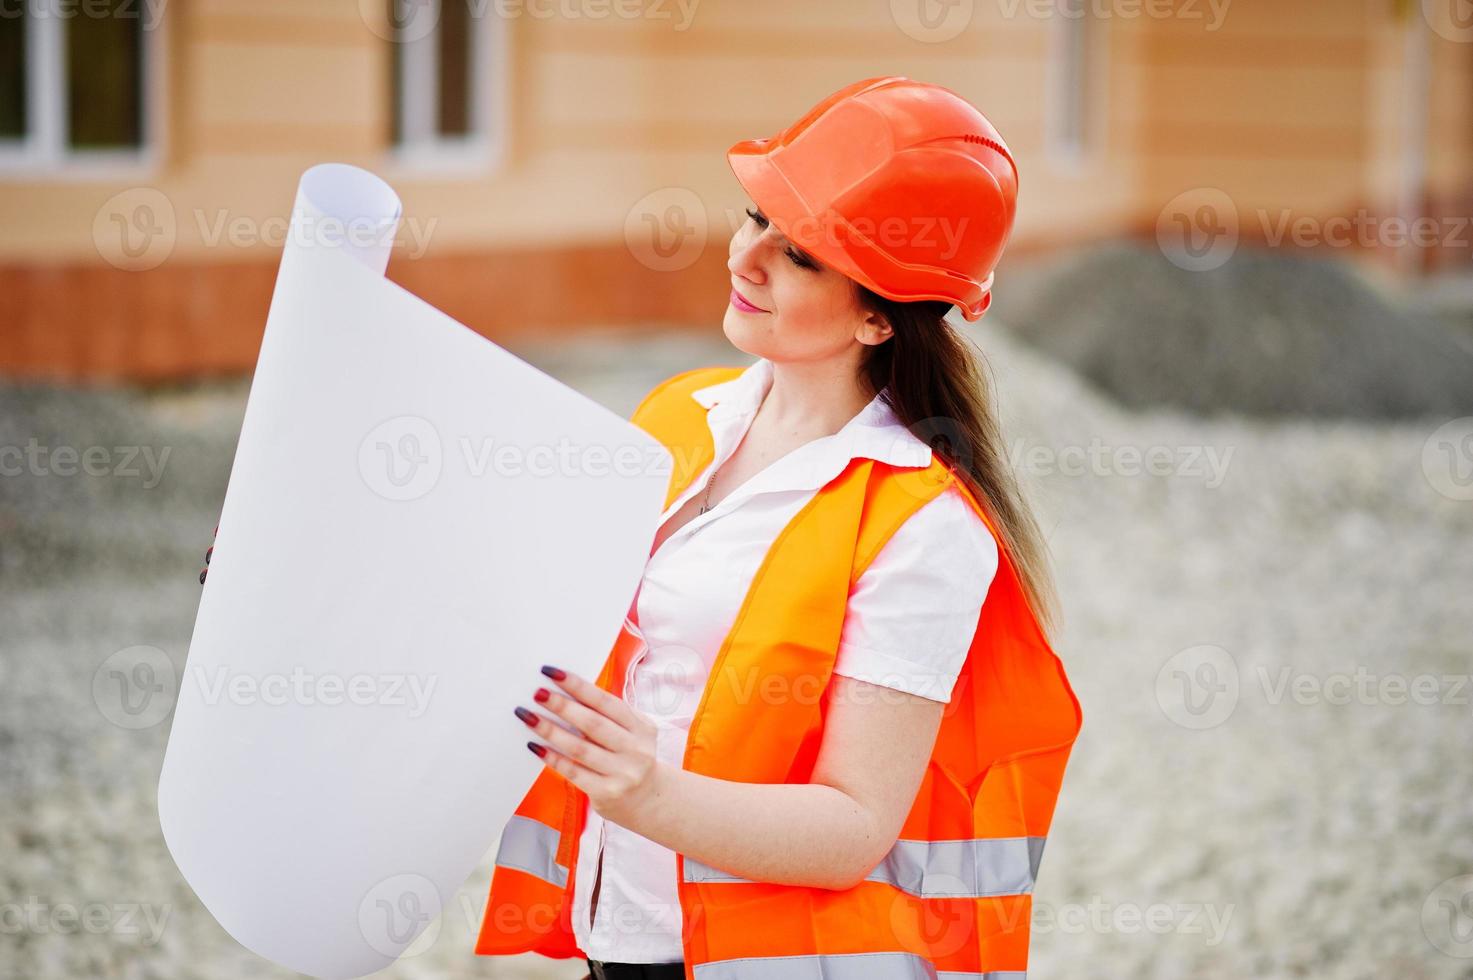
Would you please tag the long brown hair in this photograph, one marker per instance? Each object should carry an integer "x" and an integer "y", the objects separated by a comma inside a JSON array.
[{"x": 939, "y": 389}]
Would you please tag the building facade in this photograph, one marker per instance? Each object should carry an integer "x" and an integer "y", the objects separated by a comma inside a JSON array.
[{"x": 562, "y": 162}]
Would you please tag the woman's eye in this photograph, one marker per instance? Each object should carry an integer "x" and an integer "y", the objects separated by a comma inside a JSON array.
[{"x": 798, "y": 258}]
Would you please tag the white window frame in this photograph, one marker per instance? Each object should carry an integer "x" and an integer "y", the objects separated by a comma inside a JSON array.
[
  {"x": 43, "y": 151},
  {"x": 422, "y": 150},
  {"x": 1074, "y": 89}
]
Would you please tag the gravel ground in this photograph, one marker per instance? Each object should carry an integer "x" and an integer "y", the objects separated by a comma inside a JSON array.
[{"x": 1225, "y": 814}]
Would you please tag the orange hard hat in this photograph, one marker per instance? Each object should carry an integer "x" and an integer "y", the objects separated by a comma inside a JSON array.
[{"x": 900, "y": 185}]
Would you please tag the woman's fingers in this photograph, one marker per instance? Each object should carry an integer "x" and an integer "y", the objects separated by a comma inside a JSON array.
[
  {"x": 598, "y": 699},
  {"x": 580, "y": 750},
  {"x": 581, "y": 776},
  {"x": 599, "y": 728}
]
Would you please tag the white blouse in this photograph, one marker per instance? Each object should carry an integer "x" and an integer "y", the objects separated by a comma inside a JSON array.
[{"x": 908, "y": 626}]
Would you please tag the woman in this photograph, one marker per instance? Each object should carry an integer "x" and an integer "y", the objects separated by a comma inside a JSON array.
[{"x": 829, "y": 740}]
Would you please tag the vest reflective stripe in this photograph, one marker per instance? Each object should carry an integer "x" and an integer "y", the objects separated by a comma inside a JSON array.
[
  {"x": 839, "y": 966},
  {"x": 980, "y": 868},
  {"x": 531, "y": 846}
]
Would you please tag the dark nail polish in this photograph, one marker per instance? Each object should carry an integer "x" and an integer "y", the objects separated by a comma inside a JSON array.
[
  {"x": 202, "y": 576},
  {"x": 208, "y": 552},
  {"x": 541, "y": 695},
  {"x": 539, "y": 750},
  {"x": 556, "y": 673},
  {"x": 529, "y": 717}
]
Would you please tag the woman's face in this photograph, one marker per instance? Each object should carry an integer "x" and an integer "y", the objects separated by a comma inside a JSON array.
[{"x": 806, "y": 310}]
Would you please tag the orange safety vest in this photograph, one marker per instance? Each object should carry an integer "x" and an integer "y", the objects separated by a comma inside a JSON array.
[{"x": 954, "y": 894}]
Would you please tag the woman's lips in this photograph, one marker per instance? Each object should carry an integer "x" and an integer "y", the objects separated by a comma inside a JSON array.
[{"x": 740, "y": 302}]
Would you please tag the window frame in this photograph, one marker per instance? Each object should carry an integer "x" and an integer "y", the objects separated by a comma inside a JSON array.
[
  {"x": 482, "y": 150},
  {"x": 1080, "y": 87},
  {"x": 43, "y": 151}
]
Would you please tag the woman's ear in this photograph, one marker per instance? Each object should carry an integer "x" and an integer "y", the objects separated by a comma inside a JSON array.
[{"x": 874, "y": 329}]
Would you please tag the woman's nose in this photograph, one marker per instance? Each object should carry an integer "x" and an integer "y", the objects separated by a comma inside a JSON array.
[{"x": 746, "y": 259}]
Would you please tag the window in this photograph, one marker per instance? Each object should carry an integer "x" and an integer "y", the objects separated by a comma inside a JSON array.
[
  {"x": 447, "y": 80},
  {"x": 1074, "y": 79},
  {"x": 75, "y": 84}
]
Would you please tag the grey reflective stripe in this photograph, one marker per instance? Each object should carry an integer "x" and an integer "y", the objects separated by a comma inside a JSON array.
[
  {"x": 837, "y": 966},
  {"x": 979, "y": 868},
  {"x": 531, "y": 846}
]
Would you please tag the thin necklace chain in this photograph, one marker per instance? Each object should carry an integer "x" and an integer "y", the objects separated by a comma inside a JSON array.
[{"x": 706, "y": 501}]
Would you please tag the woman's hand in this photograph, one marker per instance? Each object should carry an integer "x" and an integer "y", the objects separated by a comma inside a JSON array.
[{"x": 614, "y": 761}]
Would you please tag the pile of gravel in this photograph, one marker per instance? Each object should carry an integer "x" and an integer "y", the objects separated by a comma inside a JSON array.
[{"x": 1268, "y": 334}]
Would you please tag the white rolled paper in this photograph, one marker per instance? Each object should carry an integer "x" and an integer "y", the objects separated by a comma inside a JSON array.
[{"x": 415, "y": 521}]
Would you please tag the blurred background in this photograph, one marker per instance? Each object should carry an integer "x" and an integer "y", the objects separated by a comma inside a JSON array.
[{"x": 1232, "y": 340}]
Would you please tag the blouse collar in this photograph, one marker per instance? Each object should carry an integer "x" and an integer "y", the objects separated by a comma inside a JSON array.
[{"x": 876, "y": 432}]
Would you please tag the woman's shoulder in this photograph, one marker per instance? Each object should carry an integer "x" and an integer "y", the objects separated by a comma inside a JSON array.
[
  {"x": 944, "y": 545},
  {"x": 913, "y": 612},
  {"x": 946, "y": 530}
]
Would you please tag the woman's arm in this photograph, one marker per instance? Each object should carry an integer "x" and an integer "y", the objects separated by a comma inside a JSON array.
[{"x": 828, "y": 833}]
